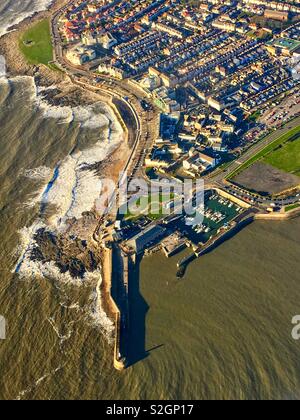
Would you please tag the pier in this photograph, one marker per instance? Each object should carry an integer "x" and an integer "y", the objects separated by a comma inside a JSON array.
[{"x": 116, "y": 273}]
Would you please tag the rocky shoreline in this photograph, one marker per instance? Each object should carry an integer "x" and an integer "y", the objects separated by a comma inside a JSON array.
[
  {"x": 9, "y": 46},
  {"x": 70, "y": 254},
  {"x": 73, "y": 251}
]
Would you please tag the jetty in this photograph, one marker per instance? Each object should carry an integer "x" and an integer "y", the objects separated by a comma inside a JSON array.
[
  {"x": 121, "y": 256},
  {"x": 115, "y": 278}
]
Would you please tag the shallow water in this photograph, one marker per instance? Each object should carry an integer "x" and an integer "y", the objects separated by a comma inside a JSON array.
[{"x": 14, "y": 11}]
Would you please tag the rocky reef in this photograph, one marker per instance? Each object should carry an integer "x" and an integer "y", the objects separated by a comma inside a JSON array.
[{"x": 70, "y": 254}]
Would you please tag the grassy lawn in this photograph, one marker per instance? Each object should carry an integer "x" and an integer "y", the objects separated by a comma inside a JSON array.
[
  {"x": 36, "y": 43},
  {"x": 158, "y": 200},
  {"x": 286, "y": 158},
  {"x": 255, "y": 116},
  {"x": 292, "y": 136},
  {"x": 292, "y": 207}
]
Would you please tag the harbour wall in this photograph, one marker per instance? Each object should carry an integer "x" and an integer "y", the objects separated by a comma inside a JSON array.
[
  {"x": 232, "y": 198},
  {"x": 114, "y": 310},
  {"x": 225, "y": 236},
  {"x": 278, "y": 216},
  {"x": 248, "y": 219},
  {"x": 218, "y": 240}
]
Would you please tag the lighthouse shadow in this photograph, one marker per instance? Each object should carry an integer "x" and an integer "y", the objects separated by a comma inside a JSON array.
[{"x": 137, "y": 319}]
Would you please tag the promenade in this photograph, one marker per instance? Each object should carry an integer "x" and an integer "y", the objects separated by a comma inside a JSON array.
[{"x": 142, "y": 129}]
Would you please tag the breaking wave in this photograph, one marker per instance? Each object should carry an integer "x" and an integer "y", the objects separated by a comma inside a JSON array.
[
  {"x": 98, "y": 315},
  {"x": 73, "y": 185},
  {"x": 2, "y": 67},
  {"x": 27, "y": 268},
  {"x": 40, "y": 173},
  {"x": 69, "y": 189},
  {"x": 13, "y": 12}
]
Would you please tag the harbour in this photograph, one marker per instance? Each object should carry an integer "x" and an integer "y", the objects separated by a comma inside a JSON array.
[{"x": 224, "y": 216}]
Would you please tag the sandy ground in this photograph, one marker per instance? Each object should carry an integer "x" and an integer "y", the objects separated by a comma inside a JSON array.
[
  {"x": 68, "y": 94},
  {"x": 264, "y": 178}
]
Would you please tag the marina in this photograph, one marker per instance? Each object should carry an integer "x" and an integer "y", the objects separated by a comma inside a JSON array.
[{"x": 224, "y": 215}]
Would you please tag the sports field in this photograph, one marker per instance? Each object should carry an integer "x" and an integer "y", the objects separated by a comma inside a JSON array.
[
  {"x": 286, "y": 157},
  {"x": 282, "y": 151}
]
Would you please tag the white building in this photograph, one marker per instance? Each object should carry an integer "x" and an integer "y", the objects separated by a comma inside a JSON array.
[
  {"x": 81, "y": 55},
  {"x": 111, "y": 71},
  {"x": 199, "y": 162}
]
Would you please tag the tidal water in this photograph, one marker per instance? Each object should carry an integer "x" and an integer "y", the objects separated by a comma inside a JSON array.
[
  {"x": 224, "y": 331},
  {"x": 14, "y": 11}
]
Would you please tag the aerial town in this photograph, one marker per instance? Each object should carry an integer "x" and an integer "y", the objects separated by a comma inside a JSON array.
[
  {"x": 149, "y": 202},
  {"x": 210, "y": 68},
  {"x": 207, "y": 96},
  {"x": 213, "y": 86}
]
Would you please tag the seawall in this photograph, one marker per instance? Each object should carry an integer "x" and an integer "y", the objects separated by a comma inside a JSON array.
[
  {"x": 240, "y": 224},
  {"x": 225, "y": 236},
  {"x": 232, "y": 198},
  {"x": 278, "y": 216},
  {"x": 248, "y": 218},
  {"x": 107, "y": 98},
  {"x": 113, "y": 309}
]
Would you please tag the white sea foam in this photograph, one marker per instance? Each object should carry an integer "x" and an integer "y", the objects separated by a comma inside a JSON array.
[
  {"x": 62, "y": 337},
  {"x": 75, "y": 189},
  {"x": 13, "y": 12},
  {"x": 26, "y": 391},
  {"x": 40, "y": 173},
  {"x": 2, "y": 67},
  {"x": 98, "y": 316},
  {"x": 89, "y": 116},
  {"x": 75, "y": 306},
  {"x": 27, "y": 268}
]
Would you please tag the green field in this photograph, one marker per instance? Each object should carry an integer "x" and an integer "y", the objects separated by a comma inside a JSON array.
[
  {"x": 292, "y": 207},
  {"x": 158, "y": 200},
  {"x": 255, "y": 116},
  {"x": 287, "y": 141},
  {"x": 287, "y": 157},
  {"x": 36, "y": 43}
]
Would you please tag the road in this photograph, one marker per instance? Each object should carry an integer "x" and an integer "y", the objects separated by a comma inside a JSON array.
[
  {"x": 253, "y": 151},
  {"x": 219, "y": 177},
  {"x": 148, "y": 122}
]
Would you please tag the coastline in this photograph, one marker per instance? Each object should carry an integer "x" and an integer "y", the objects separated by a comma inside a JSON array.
[
  {"x": 69, "y": 94},
  {"x": 15, "y": 61}
]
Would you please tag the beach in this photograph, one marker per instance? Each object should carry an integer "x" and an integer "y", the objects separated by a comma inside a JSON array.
[
  {"x": 46, "y": 249},
  {"x": 66, "y": 93}
]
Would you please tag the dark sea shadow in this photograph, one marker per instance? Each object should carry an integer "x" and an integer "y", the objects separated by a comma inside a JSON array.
[{"x": 137, "y": 312}]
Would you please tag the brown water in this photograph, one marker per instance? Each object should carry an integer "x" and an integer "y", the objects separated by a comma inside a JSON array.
[{"x": 224, "y": 331}]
